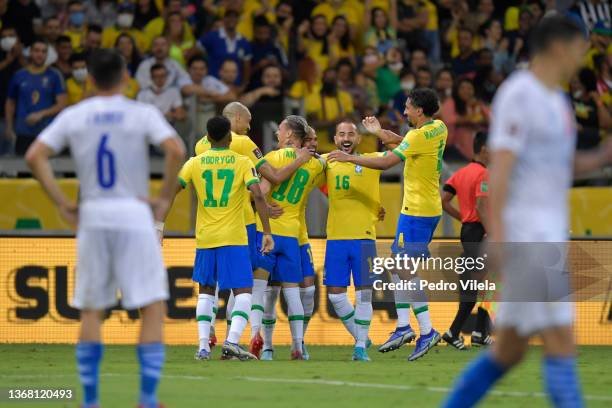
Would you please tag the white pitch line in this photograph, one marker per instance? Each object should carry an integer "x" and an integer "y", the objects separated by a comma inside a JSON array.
[{"x": 400, "y": 387}]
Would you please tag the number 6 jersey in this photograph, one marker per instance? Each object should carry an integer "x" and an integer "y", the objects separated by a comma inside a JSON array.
[{"x": 109, "y": 138}]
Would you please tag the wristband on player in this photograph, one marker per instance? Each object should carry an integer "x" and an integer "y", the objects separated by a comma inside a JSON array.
[{"x": 159, "y": 226}]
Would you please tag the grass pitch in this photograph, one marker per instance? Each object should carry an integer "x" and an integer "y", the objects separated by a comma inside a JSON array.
[{"x": 328, "y": 380}]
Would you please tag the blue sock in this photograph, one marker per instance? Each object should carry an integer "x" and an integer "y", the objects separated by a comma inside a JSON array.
[
  {"x": 562, "y": 382},
  {"x": 474, "y": 382},
  {"x": 89, "y": 355},
  {"x": 151, "y": 357}
]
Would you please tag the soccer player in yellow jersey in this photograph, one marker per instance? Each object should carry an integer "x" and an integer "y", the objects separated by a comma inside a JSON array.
[
  {"x": 220, "y": 176},
  {"x": 421, "y": 150},
  {"x": 353, "y": 192},
  {"x": 283, "y": 264},
  {"x": 240, "y": 118}
]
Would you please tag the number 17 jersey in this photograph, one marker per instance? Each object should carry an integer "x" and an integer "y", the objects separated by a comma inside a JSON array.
[{"x": 221, "y": 178}]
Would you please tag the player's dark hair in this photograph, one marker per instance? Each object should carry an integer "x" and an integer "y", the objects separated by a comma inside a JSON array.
[
  {"x": 195, "y": 59},
  {"x": 426, "y": 99},
  {"x": 552, "y": 29},
  {"x": 106, "y": 66},
  {"x": 480, "y": 140},
  {"x": 218, "y": 128},
  {"x": 76, "y": 57},
  {"x": 40, "y": 40},
  {"x": 297, "y": 125},
  {"x": 156, "y": 67}
]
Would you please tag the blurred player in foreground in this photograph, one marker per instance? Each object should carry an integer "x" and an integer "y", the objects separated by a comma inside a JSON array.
[
  {"x": 109, "y": 136},
  {"x": 470, "y": 185},
  {"x": 353, "y": 193},
  {"x": 222, "y": 178},
  {"x": 421, "y": 150},
  {"x": 533, "y": 159}
]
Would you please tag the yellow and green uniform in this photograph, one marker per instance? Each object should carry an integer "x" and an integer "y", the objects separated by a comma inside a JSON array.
[
  {"x": 221, "y": 178},
  {"x": 305, "y": 248}
]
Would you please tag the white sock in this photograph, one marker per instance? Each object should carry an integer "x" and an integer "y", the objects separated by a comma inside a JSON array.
[
  {"x": 307, "y": 296},
  {"x": 204, "y": 317},
  {"x": 228, "y": 312},
  {"x": 345, "y": 311},
  {"x": 269, "y": 317},
  {"x": 257, "y": 308},
  {"x": 402, "y": 303},
  {"x": 240, "y": 317},
  {"x": 363, "y": 315},
  {"x": 420, "y": 308},
  {"x": 295, "y": 310},
  {"x": 215, "y": 309}
]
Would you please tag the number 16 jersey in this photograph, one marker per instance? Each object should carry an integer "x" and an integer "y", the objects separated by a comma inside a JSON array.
[{"x": 291, "y": 193}]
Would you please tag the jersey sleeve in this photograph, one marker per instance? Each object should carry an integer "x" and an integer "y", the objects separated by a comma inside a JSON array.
[
  {"x": 482, "y": 185},
  {"x": 56, "y": 134},
  {"x": 450, "y": 186},
  {"x": 250, "y": 150},
  {"x": 509, "y": 122},
  {"x": 269, "y": 158},
  {"x": 200, "y": 146},
  {"x": 413, "y": 144},
  {"x": 184, "y": 176},
  {"x": 250, "y": 174},
  {"x": 158, "y": 128}
]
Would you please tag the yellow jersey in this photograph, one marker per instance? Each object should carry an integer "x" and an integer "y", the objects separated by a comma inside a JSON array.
[
  {"x": 303, "y": 237},
  {"x": 245, "y": 146},
  {"x": 292, "y": 193},
  {"x": 421, "y": 150},
  {"x": 219, "y": 176},
  {"x": 354, "y": 194}
]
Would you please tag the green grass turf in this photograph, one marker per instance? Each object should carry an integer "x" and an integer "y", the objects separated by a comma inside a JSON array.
[{"x": 190, "y": 383}]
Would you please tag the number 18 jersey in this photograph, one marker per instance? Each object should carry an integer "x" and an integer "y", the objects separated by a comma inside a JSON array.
[
  {"x": 291, "y": 193},
  {"x": 220, "y": 178}
]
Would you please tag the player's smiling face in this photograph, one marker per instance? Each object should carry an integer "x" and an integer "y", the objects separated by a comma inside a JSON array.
[
  {"x": 347, "y": 138},
  {"x": 310, "y": 142}
]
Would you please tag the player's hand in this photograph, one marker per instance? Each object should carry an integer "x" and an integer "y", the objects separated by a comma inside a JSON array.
[
  {"x": 381, "y": 214},
  {"x": 70, "y": 213},
  {"x": 339, "y": 156},
  {"x": 372, "y": 125},
  {"x": 159, "y": 206},
  {"x": 274, "y": 210},
  {"x": 303, "y": 28},
  {"x": 303, "y": 155},
  {"x": 33, "y": 118},
  {"x": 267, "y": 244}
]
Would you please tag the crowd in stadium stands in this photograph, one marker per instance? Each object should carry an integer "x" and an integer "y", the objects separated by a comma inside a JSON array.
[{"x": 338, "y": 58}]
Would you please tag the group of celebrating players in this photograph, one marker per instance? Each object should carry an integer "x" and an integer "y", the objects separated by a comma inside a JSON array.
[{"x": 532, "y": 144}]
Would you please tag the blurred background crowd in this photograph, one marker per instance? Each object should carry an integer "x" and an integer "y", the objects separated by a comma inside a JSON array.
[{"x": 327, "y": 60}]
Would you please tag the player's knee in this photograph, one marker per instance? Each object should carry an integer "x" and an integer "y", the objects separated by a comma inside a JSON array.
[
  {"x": 206, "y": 290},
  {"x": 335, "y": 290},
  {"x": 510, "y": 354}
]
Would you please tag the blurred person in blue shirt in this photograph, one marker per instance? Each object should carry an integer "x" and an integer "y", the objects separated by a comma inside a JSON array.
[{"x": 35, "y": 95}]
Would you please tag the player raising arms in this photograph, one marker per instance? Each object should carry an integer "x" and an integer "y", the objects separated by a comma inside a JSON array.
[
  {"x": 533, "y": 159},
  {"x": 109, "y": 136},
  {"x": 240, "y": 119},
  {"x": 421, "y": 150},
  {"x": 220, "y": 176},
  {"x": 284, "y": 262},
  {"x": 353, "y": 192}
]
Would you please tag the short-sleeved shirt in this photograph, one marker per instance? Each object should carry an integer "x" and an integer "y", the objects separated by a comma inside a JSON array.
[
  {"x": 537, "y": 124},
  {"x": 354, "y": 194},
  {"x": 220, "y": 177},
  {"x": 329, "y": 107},
  {"x": 109, "y": 139},
  {"x": 421, "y": 150},
  {"x": 209, "y": 83},
  {"x": 243, "y": 145},
  {"x": 220, "y": 47},
  {"x": 33, "y": 92},
  {"x": 76, "y": 91},
  {"x": 469, "y": 183},
  {"x": 290, "y": 194},
  {"x": 168, "y": 99}
]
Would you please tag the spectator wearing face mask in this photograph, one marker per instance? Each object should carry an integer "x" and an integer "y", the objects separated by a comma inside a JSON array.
[
  {"x": 23, "y": 14},
  {"x": 77, "y": 86},
  {"x": 388, "y": 76},
  {"x": 11, "y": 60},
  {"x": 77, "y": 25},
  {"x": 165, "y": 98},
  {"x": 123, "y": 25}
]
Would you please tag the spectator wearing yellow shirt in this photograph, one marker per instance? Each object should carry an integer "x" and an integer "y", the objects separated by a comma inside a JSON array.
[
  {"x": 146, "y": 10},
  {"x": 325, "y": 108},
  {"x": 155, "y": 28},
  {"x": 125, "y": 20},
  {"x": 381, "y": 27},
  {"x": 77, "y": 86},
  {"x": 313, "y": 41},
  {"x": 352, "y": 10},
  {"x": 308, "y": 79},
  {"x": 77, "y": 27},
  {"x": 182, "y": 49},
  {"x": 340, "y": 42}
]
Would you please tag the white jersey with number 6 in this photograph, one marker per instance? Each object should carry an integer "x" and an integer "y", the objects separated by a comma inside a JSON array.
[{"x": 109, "y": 139}]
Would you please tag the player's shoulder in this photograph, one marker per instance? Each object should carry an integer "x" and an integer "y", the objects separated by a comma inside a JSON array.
[
  {"x": 316, "y": 164},
  {"x": 518, "y": 85}
]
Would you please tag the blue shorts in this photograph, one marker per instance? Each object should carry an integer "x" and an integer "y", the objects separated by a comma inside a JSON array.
[
  {"x": 307, "y": 262},
  {"x": 252, "y": 236},
  {"x": 346, "y": 257},
  {"x": 283, "y": 263},
  {"x": 413, "y": 235},
  {"x": 228, "y": 266}
]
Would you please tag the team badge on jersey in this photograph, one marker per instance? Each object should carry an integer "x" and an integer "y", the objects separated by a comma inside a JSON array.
[
  {"x": 257, "y": 153},
  {"x": 358, "y": 169}
]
